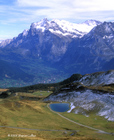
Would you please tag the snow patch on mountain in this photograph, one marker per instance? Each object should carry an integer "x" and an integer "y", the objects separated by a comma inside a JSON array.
[
  {"x": 3, "y": 43},
  {"x": 108, "y": 37},
  {"x": 107, "y": 28},
  {"x": 25, "y": 32},
  {"x": 71, "y": 107}
]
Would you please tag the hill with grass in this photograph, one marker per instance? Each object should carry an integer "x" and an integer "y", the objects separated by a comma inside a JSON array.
[
  {"x": 25, "y": 111},
  {"x": 87, "y": 94}
]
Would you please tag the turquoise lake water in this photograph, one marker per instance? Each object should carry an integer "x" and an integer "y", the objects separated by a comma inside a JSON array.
[{"x": 59, "y": 107}]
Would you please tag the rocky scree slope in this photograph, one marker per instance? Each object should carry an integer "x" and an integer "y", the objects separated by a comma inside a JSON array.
[{"x": 89, "y": 95}]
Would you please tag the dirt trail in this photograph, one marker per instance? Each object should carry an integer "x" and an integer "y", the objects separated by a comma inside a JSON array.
[{"x": 98, "y": 130}]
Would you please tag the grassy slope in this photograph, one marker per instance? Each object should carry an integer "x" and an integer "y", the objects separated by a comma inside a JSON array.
[{"x": 36, "y": 115}]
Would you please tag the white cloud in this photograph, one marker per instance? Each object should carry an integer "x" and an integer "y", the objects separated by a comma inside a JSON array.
[
  {"x": 80, "y": 4},
  {"x": 30, "y": 10},
  {"x": 65, "y": 8},
  {"x": 26, "y": 10},
  {"x": 37, "y": 3}
]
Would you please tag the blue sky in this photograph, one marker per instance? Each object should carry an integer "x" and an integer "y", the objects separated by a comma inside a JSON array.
[{"x": 17, "y": 15}]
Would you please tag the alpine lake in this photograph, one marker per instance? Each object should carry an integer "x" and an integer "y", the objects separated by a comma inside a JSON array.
[{"x": 60, "y": 107}]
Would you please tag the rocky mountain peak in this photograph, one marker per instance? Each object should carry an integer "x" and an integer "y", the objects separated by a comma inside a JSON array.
[
  {"x": 43, "y": 24},
  {"x": 92, "y": 22}
]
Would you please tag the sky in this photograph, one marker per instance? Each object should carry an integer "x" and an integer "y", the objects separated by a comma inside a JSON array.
[{"x": 17, "y": 15}]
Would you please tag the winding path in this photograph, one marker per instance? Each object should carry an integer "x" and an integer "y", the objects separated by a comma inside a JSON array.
[
  {"x": 35, "y": 129},
  {"x": 99, "y": 131}
]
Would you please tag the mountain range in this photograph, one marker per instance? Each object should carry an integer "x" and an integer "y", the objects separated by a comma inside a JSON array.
[{"x": 52, "y": 50}]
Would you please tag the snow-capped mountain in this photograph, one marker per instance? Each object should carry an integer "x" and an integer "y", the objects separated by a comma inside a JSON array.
[
  {"x": 65, "y": 28},
  {"x": 60, "y": 28},
  {"x": 55, "y": 35},
  {"x": 62, "y": 46}
]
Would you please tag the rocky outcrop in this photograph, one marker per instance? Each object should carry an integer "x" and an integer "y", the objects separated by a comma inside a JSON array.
[{"x": 89, "y": 96}]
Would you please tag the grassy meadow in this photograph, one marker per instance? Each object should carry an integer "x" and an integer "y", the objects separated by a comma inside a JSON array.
[{"x": 38, "y": 119}]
